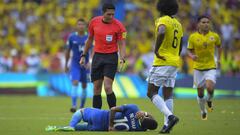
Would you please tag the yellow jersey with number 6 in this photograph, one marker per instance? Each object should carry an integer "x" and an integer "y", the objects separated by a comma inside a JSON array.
[
  {"x": 170, "y": 46},
  {"x": 204, "y": 48}
]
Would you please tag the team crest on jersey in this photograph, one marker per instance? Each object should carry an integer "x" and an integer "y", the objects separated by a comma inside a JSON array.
[
  {"x": 109, "y": 38},
  {"x": 211, "y": 38}
]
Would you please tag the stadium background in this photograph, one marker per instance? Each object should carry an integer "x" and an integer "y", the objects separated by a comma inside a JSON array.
[
  {"x": 33, "y": 85},
  {"x": 33, "y": 35}
]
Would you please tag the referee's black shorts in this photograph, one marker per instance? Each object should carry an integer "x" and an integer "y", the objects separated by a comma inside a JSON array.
[{"x": 104, "y": 64}]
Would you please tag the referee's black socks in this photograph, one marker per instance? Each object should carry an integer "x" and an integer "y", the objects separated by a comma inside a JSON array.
[
  {"x": 111, "y": 99},
  {"x": 97, "y": 101}
]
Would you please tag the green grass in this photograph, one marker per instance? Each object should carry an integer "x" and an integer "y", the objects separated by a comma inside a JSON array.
[{"x": 30, "y": 115}]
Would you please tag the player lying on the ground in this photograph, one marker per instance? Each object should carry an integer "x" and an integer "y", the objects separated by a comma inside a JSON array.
[{"x": 121, "y": 118}]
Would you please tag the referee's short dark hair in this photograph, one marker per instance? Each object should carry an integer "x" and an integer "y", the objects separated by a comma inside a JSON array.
[
  {"x": 107, "y": 6},
  {"x": 201, "y": 17},
  {"x": 167, "y": 7}
]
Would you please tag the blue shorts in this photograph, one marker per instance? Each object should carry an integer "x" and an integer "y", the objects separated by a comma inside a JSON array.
[
  {"x": 97, "y": 119},
  {"x": 78, "y": 72}
]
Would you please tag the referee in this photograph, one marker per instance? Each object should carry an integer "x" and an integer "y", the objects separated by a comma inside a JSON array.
[{"x": 109, "y": 34}]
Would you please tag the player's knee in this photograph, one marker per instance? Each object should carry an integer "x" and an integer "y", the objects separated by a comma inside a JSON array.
[
  {"x": 210, "y": 88},
  {"x": 97, "y": 90},
  {"x": 108, "y": 88}
]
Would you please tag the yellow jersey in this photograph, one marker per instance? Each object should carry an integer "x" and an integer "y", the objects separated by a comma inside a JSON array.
[
  {"x": 204, "y": 47},
  {"x": 170, "y": 46}
]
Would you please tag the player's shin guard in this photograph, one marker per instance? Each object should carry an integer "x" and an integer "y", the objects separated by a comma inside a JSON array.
[
  {"x": 76, "y": 118},
  {"x": 97, "y": 101},
  {"x": 111, "y": 99},
  {"x": 83, "y": 98}
]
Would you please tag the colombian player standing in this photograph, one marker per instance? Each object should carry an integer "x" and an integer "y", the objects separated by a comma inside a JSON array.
[
  {"x": 109, "y": 35},
  {"x": 201, "y": 46},
  {"x": 78, "y": 73},
  {"x": 166, "y": 61}
]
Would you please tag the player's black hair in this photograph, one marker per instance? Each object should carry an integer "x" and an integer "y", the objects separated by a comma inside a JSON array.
[
  {"x": 201, "y": 17},
  {"x": 107, "y": 6},
  {"x": 167, "y": 7},
  {"x": 149, "y": 123},
  {"x": 81, "y": 20}
]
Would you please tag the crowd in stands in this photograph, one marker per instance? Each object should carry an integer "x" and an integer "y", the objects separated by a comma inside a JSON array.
[{"x": 33, "y": 32}]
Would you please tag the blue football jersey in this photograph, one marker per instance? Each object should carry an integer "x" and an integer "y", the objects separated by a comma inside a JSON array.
[
  {"x": 76, "y": 43},
  {"x": 126, "y": 120},
  {"x": 97, "y": 119}
]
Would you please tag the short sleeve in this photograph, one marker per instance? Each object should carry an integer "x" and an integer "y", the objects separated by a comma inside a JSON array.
[{"x": 122, "y": 33}]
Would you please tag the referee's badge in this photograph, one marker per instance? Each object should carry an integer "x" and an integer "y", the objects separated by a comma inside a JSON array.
[{"x": 109, "y": 38}]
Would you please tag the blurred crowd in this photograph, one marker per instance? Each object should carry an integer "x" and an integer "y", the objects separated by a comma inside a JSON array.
[{"x": 33, "y": 32}]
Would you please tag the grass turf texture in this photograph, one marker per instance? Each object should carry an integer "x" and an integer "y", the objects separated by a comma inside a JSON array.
[{"x": 29, "y": 115}]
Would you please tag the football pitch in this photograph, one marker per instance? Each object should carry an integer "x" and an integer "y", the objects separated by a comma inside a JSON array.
[{"x": 29, "y": 115}]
